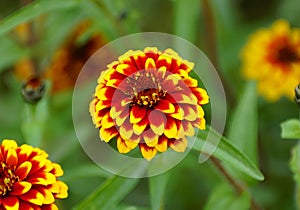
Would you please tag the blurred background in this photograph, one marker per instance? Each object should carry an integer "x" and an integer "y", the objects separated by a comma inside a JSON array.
[{"x": 53, "y": 39}]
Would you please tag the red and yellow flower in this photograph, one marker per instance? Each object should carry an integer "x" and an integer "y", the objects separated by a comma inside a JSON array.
[
  {"x": 147, "y": 99},
  {"x": 28, "y": 179},
  {"x": 272, "y": 57}
]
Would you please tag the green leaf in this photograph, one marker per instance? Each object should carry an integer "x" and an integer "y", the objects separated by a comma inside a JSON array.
[
  {"x": 10, "y": 52},
  {"x": 157, "y": 190},
  {"x": 33, "y": 10},
  {"x": 295, "y": 167},
  {"x": 244, "y": 127},
  {"x": 290, "y": 129},
  {"x": 224, "y": 197},
  {"x": 87, "y": 170},
  {"x": 225, "y": 151},
  {"x": 109, "y": 194}
]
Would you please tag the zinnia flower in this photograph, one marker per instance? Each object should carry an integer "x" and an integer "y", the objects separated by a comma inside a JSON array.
[
  {"x": 272, "y": 57},
  {"x": 28, "y": 180},
  {"x": 147, "y": 99}
]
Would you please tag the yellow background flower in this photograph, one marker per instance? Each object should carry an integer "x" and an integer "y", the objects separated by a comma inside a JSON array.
[
  {"x": 28, "y": 180},
  {"x": 272, "y": 57},
  {"x": 148, "y": 99}
]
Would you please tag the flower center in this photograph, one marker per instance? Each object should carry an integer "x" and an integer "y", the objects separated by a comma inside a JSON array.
[
  {"x": 287, "y": 55},
  {"x": 144, "y": 88},
  {"x": 7, "y": 179}
]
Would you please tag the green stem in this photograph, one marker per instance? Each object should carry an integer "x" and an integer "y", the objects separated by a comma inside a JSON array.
[
  {"x": 239, "y": 187},
  {"x": 211, "y": 44}
]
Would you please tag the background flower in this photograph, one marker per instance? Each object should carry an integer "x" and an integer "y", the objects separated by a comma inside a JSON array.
[
  {"x": 272, "y": 57},
  {"x": 28, "y": 180},
  {"x": 148, "y": 99}
]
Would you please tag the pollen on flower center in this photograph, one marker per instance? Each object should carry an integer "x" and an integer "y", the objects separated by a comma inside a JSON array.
[
  {"x": 7, "y": 179},
  {"x": 286, "y": 54},
  {"x": 144, "y": 89}
]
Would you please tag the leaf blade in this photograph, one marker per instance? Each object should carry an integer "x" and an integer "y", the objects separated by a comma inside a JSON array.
[
  {"x": 227, "y": 152},
  {"x": 290, "y": 129}
]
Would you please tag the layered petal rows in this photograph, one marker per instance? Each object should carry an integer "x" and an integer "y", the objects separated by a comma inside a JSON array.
[
  {"x": 28, "y": 179},
  {"x": 147, "y": 99},
  {"x": 272, "y": 57}
]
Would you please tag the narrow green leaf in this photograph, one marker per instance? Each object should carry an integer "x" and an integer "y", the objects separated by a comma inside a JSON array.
[
  {"x": 225, "y": 151},
  {"x": 157, "y": 190},
  {"x": 10, "y": 52},
  {"x": 224, "y": 197},
  {"x": 244, "y": 127},
  {"x": 33, "y": 10},
  {"x": 109, "y": 194},
  {"x": 290, "y": 129},
  {"x": 84, "y": 171}
]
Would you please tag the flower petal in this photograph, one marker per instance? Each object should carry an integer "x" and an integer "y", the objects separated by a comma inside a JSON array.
[
  {"x": 105, "y": 93},
  {"x": 12, "y": 157},
  {"x": 10, "y": 203},
  {"x": 63, "y": 190},
  {"x": 139, "y": 127},
  {"x": 23, "y": 170},
  {"x": 171, "y": 128},
  {"x": 107, "y": 134},
  {"x": 157, "y": 122},
  {"x": 150, "y": 64},
  {"x": 126, "y": 69},
  {"x": 126, "y": 129},
  {"x": 121, "y": 145},
  {"x": 51, "y": 206},
  {"x": 201, "y": 95},
  {"x": 150, "y": 138},
  {"x": 48, "y": 196},
  {"x": 164, "y": 60},
  {"x": 189, "y": 112},
  {"x": 20, "y": 188},
  {"x": 107, "y": 121},
  {"x": 162, "y": 144},
  {"x": 188, "y": 128},
  {"x": 41, "y": 178},
  {"x": 33, "y": 196},
  {"x": 178, "y": 145},
  {"x": 137, "y": 113},
  {"x": 165, "y": 106},
  {"x": 57, "y": 170},
  {"x": 147, "y": 152}
]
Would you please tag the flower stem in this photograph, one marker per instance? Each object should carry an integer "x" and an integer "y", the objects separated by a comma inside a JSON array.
[
  {"x": 211, "y": 44},
  {"x": 239, "y": 187}
]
